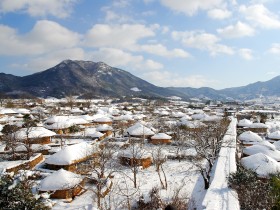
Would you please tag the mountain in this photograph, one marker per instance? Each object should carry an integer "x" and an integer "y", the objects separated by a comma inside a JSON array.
[
  {"x": 82, "y": 78},
  {"x": 251, "y": 91},
  {"x": 87, "y": 78}
]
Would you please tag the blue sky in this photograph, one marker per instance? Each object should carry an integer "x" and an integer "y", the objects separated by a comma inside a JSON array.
[{"x": 183, "y": 43}]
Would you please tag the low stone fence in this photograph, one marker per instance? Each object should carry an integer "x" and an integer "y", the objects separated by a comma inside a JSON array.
[
  {"x": 28, "y": 164},
  {"x": 219, "y": 195}
]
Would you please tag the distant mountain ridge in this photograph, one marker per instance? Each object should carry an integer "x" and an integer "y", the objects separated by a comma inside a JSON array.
[
  {"x": 82, "y": 78},
  {"x": 251, "y": 91},
  {"x": 87, "y": 78}
]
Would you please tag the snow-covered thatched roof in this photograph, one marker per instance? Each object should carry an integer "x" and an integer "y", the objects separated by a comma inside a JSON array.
[
  {"x": 274, "y": 135},
  {"x": 138, "y": 130},
  {"x": 249, "y": 136},
  {"x": 265, "y": 148},
  {"x": 245, "y": 123},
  {"x": 71, "y": 154},
  {"x": 134, "y": 151},
  {"x": 161, "y": 136},
  {"x": 262, "y": 164},
  {"x": 60, "y": 180},
  {"x": 104, "y": 127},
  {"x": 33, "y": 132}
]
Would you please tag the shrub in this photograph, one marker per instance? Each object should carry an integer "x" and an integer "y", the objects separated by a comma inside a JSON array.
[{"x": 253, "y": 193}]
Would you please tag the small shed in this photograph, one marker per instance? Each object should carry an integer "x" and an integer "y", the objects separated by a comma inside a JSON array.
[
  {"x": 161, "y": 138},
  {"x": 62, "y": 184}
]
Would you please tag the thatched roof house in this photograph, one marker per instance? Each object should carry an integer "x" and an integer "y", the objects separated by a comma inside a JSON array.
[
  {"x": 70, "y": 156},
  {"x": 63, "y": 184},
  {"x": 36, "y": 135},
  {"x": 135, "y": 156},
  {"x": 161, "y": 138}
]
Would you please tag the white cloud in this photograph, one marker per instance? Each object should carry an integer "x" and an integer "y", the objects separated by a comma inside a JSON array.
[
  {"x": 51, "y": 59},
  {"x": 167, "y": 79},
  {"x": 160, "y": 50},
  {"x": 236, "y": 31},
  {"x": 275, "y": 49},
  {"x": 123, "y": 36},
  {"x": 120, "y": 58},
  {"x": 260, "y": 16},
  {"x": 60, "y": 9},
  {"x": 202, "y": 41},
  {"x": 190, "y": 7},
  {"x": 246, "y": 54},
  {"x": 45, "y": 36},
  {"x": 219, "y": 13}
]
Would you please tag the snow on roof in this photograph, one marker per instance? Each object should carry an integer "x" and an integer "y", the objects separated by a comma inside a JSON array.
[
  {"x": 104, "y": 127},
  {"x": 212, "y": 118},
  {"x": 199, "y": 116},
  {"x": 192, "y": 124},
  {"x": 54, "y": 119},
  {"x": 178, "y": 114},
  {"x": 33, "y": 132},
  {"x": 249, "y": 136},
  {"x": 258, "y": 125},
  {"x": 277, "y": 145},
  {"x": 138, "y": 129},
  {"x": 124, "y": 117},
  {"x": 262, "y": 164},
  {"x": 87, "y": 117},
  {"x": 274, "y": 135},
  {"x": 59, "y": 125},
  {"x": 71, "y": 154},
  {"x": 161, "y": 136},
  {"x": 134, "y": 151},
  {"x": 103, "y": 119},
  {"x": 22, "y": 111},
  {"x": 7, "y": 111},
  {"x": 60, "y": 180},
  {"x": 267, "y": 149},
  {"x": 244, "y": 123},
  {"x": 34, "y": 147}
]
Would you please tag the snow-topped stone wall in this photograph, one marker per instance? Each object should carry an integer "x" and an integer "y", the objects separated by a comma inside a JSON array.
[{"x": 219, "y": 195}]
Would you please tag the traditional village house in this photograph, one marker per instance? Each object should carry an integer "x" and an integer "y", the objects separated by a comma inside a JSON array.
[
  {"x": 265, "y": 147},
  {"x": 249, "y": 138},
  {"x": 70, "y": 156},
  {"x": 62, "y": 184},
  {"x": 134, "y": 155},
  {"x": 262, "y": 164},
  {"x": 138, "y": 130},
  {"x": 35, "y": 135},
  {"x": 161, "y": 138}
]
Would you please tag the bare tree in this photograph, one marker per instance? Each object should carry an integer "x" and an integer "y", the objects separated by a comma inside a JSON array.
[
  {"x": 159, "y": 159},
  {"x": 102, "y": 171},
  {"x": 207, "y": 141},
  {"x": 132, "y": 157},
  {"x": 70, "y": 101}
]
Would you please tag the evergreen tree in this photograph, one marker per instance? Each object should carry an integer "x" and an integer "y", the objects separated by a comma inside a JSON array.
[{"x": 17, "y": 194}]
